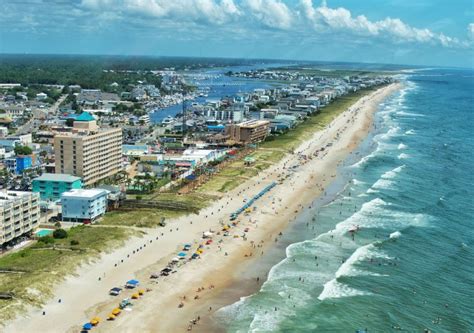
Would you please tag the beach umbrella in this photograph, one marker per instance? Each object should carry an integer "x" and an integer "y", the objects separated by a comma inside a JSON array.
[
  {"x": 116, "y": 311},
  {"x": 87, "y": 326},
  {"x": 182, "y": 254},
  {"x": 111, "y": 317},
  {"x": 95, "y": 321},
  {"x": 135, "y": 296}
]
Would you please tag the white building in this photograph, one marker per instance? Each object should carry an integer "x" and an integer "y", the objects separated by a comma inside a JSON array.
[
  {"x": 41, "y": 96},
  {"x": 83, "y": 205},
  {"x": 19, "y": 214}
]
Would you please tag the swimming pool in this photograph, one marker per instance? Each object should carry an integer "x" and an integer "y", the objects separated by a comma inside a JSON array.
[{"x": 43, "y": 232}]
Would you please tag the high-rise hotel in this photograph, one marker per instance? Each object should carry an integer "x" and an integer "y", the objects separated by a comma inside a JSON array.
[{"x": 89, "y": 152}]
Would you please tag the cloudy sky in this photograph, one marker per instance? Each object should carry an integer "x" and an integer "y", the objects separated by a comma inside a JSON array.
[{"x": 419, "y": 32}]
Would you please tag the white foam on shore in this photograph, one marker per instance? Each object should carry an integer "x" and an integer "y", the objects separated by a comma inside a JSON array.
[
  {"x": 357, "y": 182},
  {"x": 410, "y": 132},
  {"x": 402, "y": 146},
  {"x": 335, "y": 289},
  {"x": 365, "y": 159}
]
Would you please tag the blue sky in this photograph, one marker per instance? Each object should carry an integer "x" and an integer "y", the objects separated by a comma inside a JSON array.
[{"x": 418, "y": 32}]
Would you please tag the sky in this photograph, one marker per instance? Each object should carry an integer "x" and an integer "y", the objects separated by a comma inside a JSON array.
[{"x": 416, "y": 32}]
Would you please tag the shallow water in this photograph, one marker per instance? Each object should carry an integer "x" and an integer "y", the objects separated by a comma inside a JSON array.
[{"x": 410, "y": 191}]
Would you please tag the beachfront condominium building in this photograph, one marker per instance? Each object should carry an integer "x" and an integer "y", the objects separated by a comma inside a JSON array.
[
  {"x": 251, "y": 131},
  {"x": 88, "y": 151},
  {"x": 83, "y": 205},
  {"x": 19, "y": 214},
  {"x": 50, "y": 186}
]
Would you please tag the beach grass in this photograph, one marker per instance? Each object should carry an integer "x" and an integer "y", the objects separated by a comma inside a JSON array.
[
  {"x": 31, "y": 273},
  {"x": 151, "y": 217}
]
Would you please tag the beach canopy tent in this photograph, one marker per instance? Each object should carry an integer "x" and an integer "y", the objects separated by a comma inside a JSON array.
[
  {"x": 95, "y": 321},
  {"x": 175, "y": 259},
  {"x": 87, "y": 326},
  {"x": 182, "y": 254},
  {"x": 132, "y": 283}
]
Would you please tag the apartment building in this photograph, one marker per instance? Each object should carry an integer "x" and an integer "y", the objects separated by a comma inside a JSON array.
[
  {"x": 19, "y": 214},
  {"x": 83, "y": 205},
  {"x": 88, "y": 152},
  {"x": 50, "y": 186},
  {"x": 251, "y": 131}
]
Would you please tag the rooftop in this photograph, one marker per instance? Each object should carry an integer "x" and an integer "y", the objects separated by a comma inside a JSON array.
[
  {"x": 253, "y": 123},
  {"x": 85, "y": 116},
  {"x": 57, "y": 177},
  {"x": 6, "y": 196},
  {"x": 83, "y": 193}
]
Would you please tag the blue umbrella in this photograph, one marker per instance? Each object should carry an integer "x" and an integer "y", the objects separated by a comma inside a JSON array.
[
  {"x": 182, "y": 254},
  {"x": 87, "y": 326}
]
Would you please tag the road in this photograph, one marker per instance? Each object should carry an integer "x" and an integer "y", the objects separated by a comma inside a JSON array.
[{"x": 33, "y": 123}]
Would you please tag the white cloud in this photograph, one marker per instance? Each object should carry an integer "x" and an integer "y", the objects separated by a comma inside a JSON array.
[
  {"x": 300, "y": 19},
  {"x": 326, "y": 19},
  {"x": 271, "y": 13},
  {"x": 209, "y": 11}
]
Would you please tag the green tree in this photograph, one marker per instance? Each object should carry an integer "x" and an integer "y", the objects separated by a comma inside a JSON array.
[
  {"x": 22, "y": 150},
  {"x": 60, "y": 234}
]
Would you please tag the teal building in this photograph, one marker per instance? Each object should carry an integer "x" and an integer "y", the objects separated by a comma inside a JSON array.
[{"x": 50, "y": 186}]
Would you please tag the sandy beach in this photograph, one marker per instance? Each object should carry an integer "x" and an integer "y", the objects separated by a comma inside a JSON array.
[{"x": 197, "y": 285}]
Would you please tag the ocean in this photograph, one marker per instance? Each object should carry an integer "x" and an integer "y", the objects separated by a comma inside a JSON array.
[{"x": 409, "y": 190}]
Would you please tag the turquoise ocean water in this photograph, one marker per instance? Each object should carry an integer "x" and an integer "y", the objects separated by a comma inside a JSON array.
[{"x": 409, "y": 188}]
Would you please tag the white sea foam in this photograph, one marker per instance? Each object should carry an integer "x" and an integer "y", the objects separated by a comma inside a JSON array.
[
  {"x": 366, "y": 158},
  {"x": 383, "y": 184},
  {"x": 357, "y": 182},
  {"x": 410, "y": 132},
  {"x": 402, "y": 146},
  {"x": 395, "y": 234},
  {"x": 393, "y": 173},
  {"x": 347, "y": 268},
  {"x": 410, "y": 114},
  {"x": 335, "y": 289},
  {"x": 393, "y": 131},
  {"x": 362, "y": 253},
  {"x": 403, "y": 156}
]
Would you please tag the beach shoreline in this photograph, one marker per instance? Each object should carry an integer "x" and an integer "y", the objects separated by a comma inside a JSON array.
[{"x": 302, "y": 177}]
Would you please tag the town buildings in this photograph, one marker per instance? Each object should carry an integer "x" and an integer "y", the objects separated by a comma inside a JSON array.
[
  {"x": 251, "y": 131},
  {"x": 83, "y": 205},
  {"x": 50, "y": 186},
  {"x": 19, "y": 214},
  {"x": 88, "y": 151}
]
